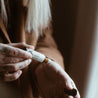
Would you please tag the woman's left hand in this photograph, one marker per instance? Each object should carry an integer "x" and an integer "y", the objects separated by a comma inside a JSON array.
[{"x": 52, "y": 81}]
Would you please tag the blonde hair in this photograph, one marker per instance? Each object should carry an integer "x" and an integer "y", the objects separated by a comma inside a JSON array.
[{"x": 38, "y": 15}]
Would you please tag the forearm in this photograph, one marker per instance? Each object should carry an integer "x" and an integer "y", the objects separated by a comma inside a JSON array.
[
  {"x": 52, "y": 53},
  {"x": 48, "y": 47}
]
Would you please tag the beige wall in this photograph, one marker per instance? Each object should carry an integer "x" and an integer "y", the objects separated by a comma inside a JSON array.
[
  {"x": 64, "y": 19},
  {"x": 74, "y": 26},
  {"x": 84, "y": 40}
]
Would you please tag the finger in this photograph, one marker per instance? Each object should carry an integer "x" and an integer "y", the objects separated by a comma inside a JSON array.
[
  {"x": 21, "y": 45},
  {"x": 78, "y": 95},
  {"x": 69, "y": 88},
  {"x": 69, "y": 85},
  {"x": 70, "y": 97},
  {"x": 13, "y": 51},
  {"x": 74, "y": 86},
  {"x": 7, "y": 59},
  {"x": 23, "y": 64},
  {"x": 12, "y": 77},
  {"x": 16, "y": 66}
]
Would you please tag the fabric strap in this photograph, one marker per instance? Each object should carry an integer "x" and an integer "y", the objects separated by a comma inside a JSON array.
[{"x": 4, "y": 30}]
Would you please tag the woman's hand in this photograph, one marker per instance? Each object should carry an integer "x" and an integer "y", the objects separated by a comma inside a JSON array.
[
  {"x": 52, "y": 81},
  {"x": 13, "y": 60}
]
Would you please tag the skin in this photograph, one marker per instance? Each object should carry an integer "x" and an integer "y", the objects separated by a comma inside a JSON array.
[
  {"x": 12, "y": 60},
  {"x": 52, "y": 80}
]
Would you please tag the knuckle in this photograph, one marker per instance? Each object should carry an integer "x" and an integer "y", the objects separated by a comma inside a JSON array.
[
  {"x": 6, "y": 50},
  {"x": 15, "y": 60},
  {"x": 7, "y": 68},
  {"x": 11, "y": 67},
  {"x": 15, "y": 68},
  {"x": 11, "y": 77},
  {"x": 6, "y": 60},
  {"x": 22, "y": 43}
]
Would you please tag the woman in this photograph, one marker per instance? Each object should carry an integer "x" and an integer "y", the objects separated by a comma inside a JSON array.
[{"x": 28, "y": 23}]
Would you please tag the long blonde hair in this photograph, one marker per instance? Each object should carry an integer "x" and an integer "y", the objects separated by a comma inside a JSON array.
[{"x": 38, "y": 15}]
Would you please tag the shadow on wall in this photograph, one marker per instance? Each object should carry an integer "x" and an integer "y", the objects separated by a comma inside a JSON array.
[
  {"x": 74, "y": 25},
  {"x": 64, "y": 18},
  {"x": 84, "y": 43}
]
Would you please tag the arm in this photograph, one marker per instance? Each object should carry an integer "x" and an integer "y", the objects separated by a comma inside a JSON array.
[
  {"x": 47, "y": 46},
  {"x": 52, "y": 79}
]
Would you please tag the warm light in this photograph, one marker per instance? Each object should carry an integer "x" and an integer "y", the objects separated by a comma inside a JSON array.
[{"x": 92, "y": 87}]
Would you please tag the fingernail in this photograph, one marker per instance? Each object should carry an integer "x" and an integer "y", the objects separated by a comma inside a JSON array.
[{"x": 72, "y": 92}]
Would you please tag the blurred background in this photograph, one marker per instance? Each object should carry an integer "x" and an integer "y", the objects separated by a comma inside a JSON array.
[{"x": 75, "y": 24}]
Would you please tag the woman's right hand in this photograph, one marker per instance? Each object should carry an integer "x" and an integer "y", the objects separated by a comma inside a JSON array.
[{"x": 12, "y": 60}]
